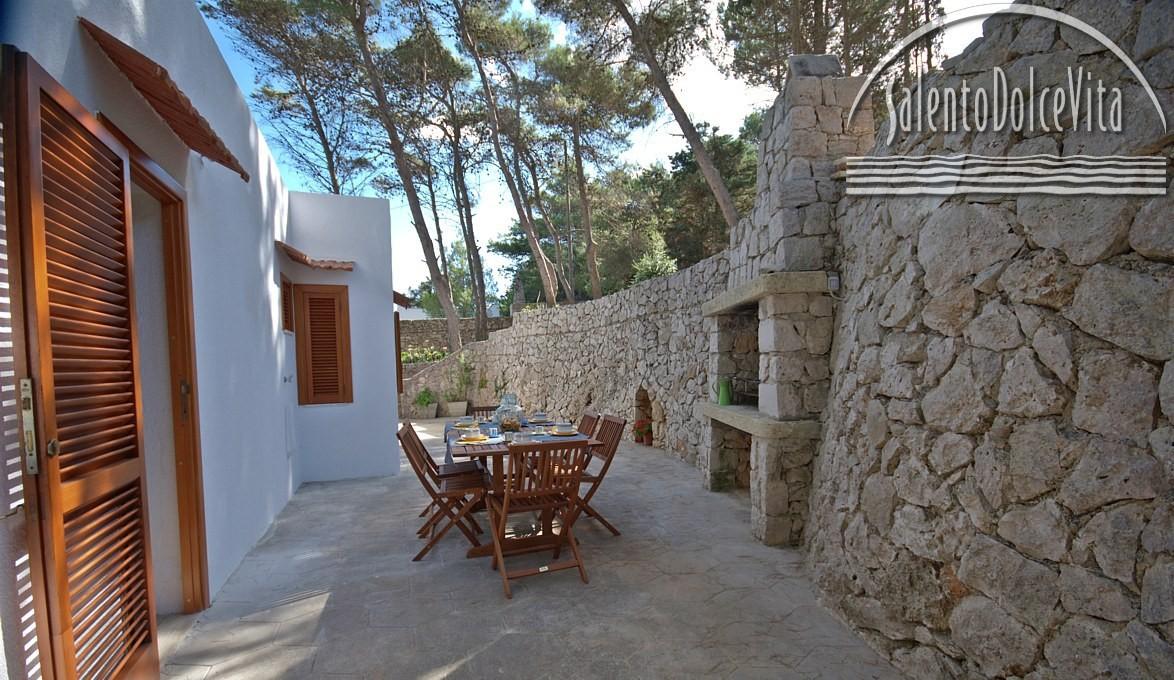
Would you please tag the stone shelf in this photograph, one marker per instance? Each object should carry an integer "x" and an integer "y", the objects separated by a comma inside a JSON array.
[
  {"x": 768, "y": 284},
  {"x": 748, "y": 419}
]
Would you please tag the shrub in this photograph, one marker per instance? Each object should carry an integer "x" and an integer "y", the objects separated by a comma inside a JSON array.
[
  {"x": 420, "y": 355},
  {"x": 425, "y": 397},
  {"x": 656, "y": 262}
]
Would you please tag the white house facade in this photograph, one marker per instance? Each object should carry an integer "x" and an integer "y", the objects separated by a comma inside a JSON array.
[{"x": 288, "y": 324}]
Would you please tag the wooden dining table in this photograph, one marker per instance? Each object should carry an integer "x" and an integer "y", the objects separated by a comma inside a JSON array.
[{"x": 492, "y": 457}]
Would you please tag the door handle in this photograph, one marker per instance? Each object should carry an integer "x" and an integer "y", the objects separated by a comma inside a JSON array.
[{"x": 28, "y": 426}]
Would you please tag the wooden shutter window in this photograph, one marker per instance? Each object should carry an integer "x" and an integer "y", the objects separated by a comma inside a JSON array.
[
  {"x": 323, "y": 344},
  {"x": 287, "y": 305}
]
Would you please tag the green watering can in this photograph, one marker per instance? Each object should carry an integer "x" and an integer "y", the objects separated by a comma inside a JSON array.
[{"x": 724, "y": 391}]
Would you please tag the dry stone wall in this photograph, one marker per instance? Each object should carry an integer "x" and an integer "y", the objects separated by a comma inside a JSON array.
[
  {"x": 596, "y": 355},
  {"x": 992, "y": 496},
  {"x": 433, "y": 333},
  {"x": 803, "y": 134}
]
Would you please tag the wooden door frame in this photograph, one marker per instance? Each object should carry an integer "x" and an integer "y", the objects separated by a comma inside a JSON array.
[{"x": 185, "y": 412}]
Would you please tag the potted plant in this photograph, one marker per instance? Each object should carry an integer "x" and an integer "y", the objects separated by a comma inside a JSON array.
[
  {"x": 456, "y": 397},
  {"x": 642, "y": 431},
  {"x": 424, "y": 405},
  {"x": 454, "y": 404}
]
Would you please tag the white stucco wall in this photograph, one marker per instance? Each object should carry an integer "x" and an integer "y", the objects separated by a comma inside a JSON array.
[
  {"x": 250, "y": 470},
  {"x": 247, "y": 476},
  {"x": 341, "y": 441}
]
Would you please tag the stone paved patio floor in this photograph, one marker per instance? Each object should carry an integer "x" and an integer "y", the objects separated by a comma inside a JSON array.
[{"x": 331, "y": 592}]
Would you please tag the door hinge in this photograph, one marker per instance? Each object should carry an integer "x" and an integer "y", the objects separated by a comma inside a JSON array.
[{"x": 28, "y": 424}]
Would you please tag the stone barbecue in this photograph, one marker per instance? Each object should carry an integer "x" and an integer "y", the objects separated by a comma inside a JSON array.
[{"x": 778, "y": 281}]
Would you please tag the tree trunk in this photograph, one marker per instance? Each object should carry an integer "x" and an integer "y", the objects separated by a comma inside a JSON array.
[
  {"x": 929, "y": 38},
  {"x": 819, "y": 38},
  {"x": 527, "y": 201},
  {"x": 847, "y": 40},
  {"x": 465, "y": 214},
  {"x": 403, "y": 166},
  {"x": 704, "y": 161},
  {"x": 795, "y": 28},
  {"x": 585, "y": 213},
  {"x": 568, "y": 289},
  {"x": 436, "y": 225},
  {"x": 320, "y": 132},
  {"x": 545, "y": 268}
]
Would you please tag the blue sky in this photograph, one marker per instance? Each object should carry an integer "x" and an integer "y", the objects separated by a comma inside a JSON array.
[{"x": 704, "y": 91}]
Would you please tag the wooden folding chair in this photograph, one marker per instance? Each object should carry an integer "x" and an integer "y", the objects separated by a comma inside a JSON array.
[
  {"x": 611, "y": 430},
  {"x": 587, "y": 423},
  {"x": 441, "y": 469},
  {"x": 453, "y": 496},
  {"x": 541, "y": 478},
  {"x": 482, "y": 411}
]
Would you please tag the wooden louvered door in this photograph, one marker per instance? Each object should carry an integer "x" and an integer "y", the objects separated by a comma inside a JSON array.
[{"x": 83, "y": 359}]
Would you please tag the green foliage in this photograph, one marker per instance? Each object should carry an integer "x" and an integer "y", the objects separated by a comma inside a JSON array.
[
  {"x": 662, "y": 218},
  {"x": 656, "y": 262},
  {"x": 698, "y": 228},
  {"x": 461, "y": 378},
  {"x": 761, "y": 34},
  {"x": 465, "y": 370},
  {"x": 629, "y": 221},
  {"x": 425, "y": 397},
  {"x": 422, "y": 355},
  {"x": 565, "y": 113},
  {"x": 674, "y": 29},
  {"x": 303, "y": 78},
  {"x": 461, "y": 281}
]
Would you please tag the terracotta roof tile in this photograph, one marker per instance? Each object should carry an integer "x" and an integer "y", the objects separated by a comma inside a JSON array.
[{"x": 155, "y": 84}]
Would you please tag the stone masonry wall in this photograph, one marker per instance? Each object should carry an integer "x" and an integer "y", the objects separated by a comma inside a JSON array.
[
  {"x": 992, "y": 496},
  {"x": 993, "y": 490},
  {"x": 802, "y": 135},
  {"x": 433, "y": 333},
  {"x": 597, "y": 354}
]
